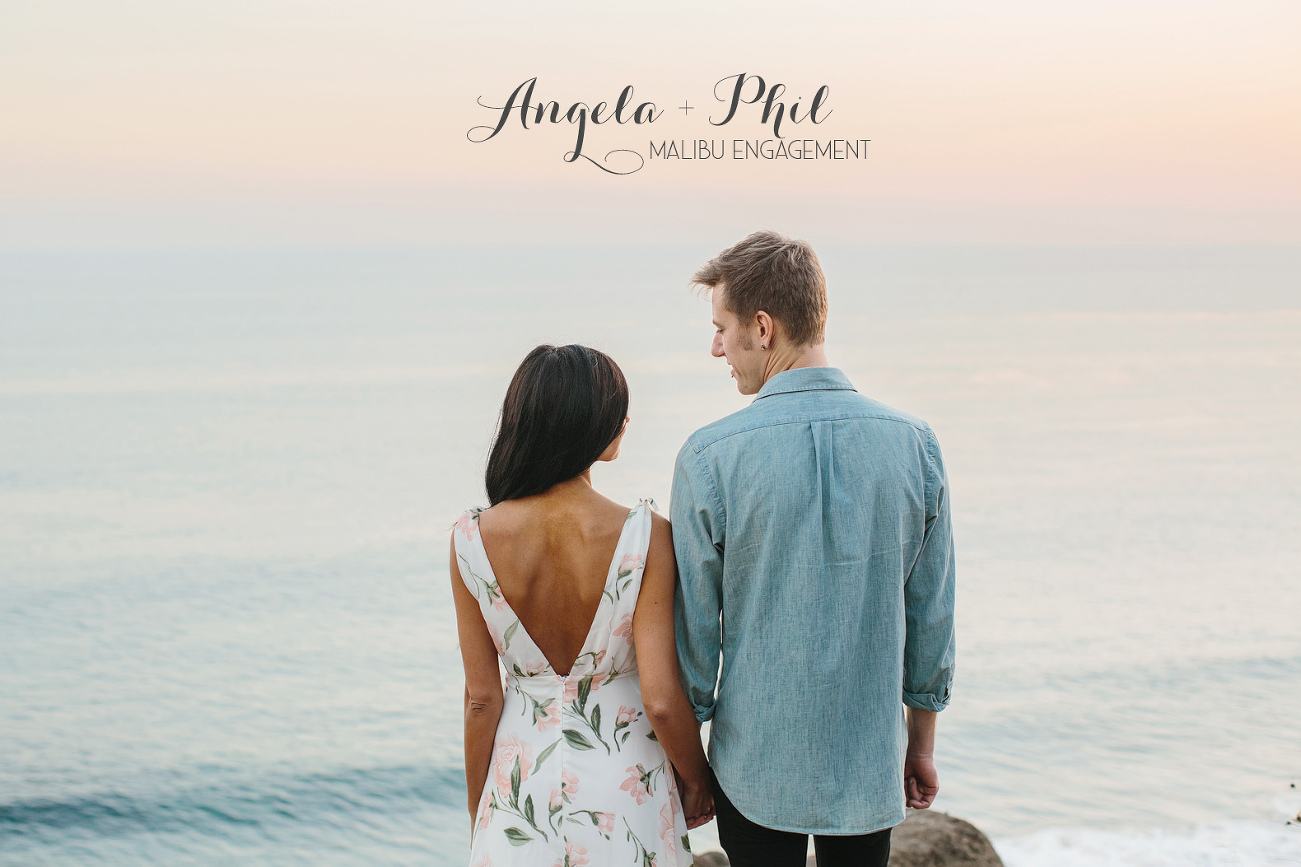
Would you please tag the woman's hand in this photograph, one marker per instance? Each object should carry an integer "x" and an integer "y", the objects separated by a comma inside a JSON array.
[{"x": 697, "y": 802}]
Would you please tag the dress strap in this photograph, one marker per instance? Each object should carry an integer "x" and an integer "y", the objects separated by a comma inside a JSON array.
[
  {"x": 477, "y": 575},
  {"x": 631, "y": 558}
]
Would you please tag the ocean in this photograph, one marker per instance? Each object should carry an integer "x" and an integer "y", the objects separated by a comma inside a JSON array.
[{"x": 227, "y": 479}]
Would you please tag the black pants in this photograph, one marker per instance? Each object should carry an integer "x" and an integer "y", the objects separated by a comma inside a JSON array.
[{"x": 751, "y": 845}]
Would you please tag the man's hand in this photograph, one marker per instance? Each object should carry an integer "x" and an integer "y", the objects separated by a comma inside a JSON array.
[{"x": 921, "y": 782}]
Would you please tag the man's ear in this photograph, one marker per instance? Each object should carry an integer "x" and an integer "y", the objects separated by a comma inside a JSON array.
[{"x": 767, "y": 327}]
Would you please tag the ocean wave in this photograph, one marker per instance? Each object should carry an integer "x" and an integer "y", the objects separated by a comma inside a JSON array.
[
  {"x": 1244, "y": 844},
  {"x": 237, "y": 801}
]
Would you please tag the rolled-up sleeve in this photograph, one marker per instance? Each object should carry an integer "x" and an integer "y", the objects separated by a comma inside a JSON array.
[
  {"x": 929, "y": 647},
  {"x": 696, "y": 515}
]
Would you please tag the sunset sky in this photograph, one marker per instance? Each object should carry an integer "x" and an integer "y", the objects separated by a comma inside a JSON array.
[{"x": 274, "y": 122}]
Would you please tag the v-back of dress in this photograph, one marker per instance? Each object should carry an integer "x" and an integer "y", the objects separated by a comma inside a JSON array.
[{"x": 577, "y": 777}]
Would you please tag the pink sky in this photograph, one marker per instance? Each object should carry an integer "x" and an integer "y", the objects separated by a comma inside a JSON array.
[{"x": 292, "y": 122}]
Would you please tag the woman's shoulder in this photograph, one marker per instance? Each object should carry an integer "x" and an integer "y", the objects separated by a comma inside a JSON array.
[
  {"x": 466, "y": 526},
  {"x": 659, "y": 547},
  {"x": 659, "y": 523},
  {"x": 510, "y": 517}
]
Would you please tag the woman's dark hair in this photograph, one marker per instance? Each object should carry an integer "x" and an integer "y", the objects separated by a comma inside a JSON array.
[{"x": 564, "y": 407}]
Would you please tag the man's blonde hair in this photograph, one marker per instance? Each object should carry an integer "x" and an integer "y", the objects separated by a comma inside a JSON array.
[{"x": 770, "y": 272}]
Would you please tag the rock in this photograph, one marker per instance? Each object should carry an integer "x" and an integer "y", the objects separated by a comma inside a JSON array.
[
  {"x": 930, "y": 839},
  {"x": 925, "y": 839},
  {"x": 710, "y": 859}
]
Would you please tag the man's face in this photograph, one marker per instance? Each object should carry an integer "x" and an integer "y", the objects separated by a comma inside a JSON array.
[{"x": 736, "y": 342}]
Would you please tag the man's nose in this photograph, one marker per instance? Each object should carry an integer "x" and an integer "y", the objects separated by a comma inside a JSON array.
[{"x": 716, "y": 348}]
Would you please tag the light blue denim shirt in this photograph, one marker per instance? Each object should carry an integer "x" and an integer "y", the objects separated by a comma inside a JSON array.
[{"x": 816, "y": 523}]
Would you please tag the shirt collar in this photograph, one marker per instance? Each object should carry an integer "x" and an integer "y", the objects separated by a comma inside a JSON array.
[{"x": 806, "y": 379}]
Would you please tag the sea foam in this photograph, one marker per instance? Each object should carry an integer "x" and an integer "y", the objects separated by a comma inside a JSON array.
[{"x": 1244, "y": 844}]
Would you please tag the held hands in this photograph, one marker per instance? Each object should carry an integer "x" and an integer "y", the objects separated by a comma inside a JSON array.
[
  {"x": 697, "y": 801},
  {"x": 921, "y": 782}
]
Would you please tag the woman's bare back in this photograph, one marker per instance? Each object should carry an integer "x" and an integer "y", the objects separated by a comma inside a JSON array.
[{"x": 551, "y": 554}]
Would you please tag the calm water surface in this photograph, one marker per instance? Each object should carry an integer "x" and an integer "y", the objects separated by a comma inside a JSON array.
[{"x": 226, "y": 481}]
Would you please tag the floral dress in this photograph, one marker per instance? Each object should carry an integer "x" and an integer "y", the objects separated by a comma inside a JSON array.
[{"x": 577, "y": 776}]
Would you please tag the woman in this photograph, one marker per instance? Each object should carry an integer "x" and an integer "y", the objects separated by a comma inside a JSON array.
[{"x": 580, "y": 761}]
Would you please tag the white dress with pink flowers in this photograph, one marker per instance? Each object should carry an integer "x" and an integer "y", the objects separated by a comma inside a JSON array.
[{"x": 577, "y": 777}]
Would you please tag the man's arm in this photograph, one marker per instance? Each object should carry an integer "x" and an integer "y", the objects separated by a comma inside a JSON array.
[
  {"x": 698, "y": 600},
  {"x": 929, "y": 598},
  {"x": 921, "y": 782},
  {"x": 929, "y": 645}
]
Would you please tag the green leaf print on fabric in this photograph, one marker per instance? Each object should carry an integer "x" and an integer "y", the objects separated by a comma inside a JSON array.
[
  {"x": 647, "y": 857},
  {"x": 490, "y": 587},
  {"x": 554, "y": 811},
  {"x": 577, "y": 741},
  {"x": 577, "y": 710},
  {"x": 623, "y": 725},
  {"x": 584, "y": 690},
  {"x": 641, "y": 782},
  {"x": 542, "y": 756},
  {"x": 543, "y": 711},
  {"x": 603, "y": 822},
  {"x": 565, "y": 807},
  {"x": 629, "y": 567},
  {"x": 526, "y": 814}
]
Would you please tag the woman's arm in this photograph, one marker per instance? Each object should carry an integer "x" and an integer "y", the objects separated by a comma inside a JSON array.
[
  {"x": 667, "y": 708},
  {"x": 483, "y": 696}
]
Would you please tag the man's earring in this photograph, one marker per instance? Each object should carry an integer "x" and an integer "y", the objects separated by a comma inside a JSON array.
[{"x": 761, "y": 346}]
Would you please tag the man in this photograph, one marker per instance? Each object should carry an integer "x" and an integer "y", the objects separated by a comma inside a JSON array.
[{"x": 815, "y": 556}]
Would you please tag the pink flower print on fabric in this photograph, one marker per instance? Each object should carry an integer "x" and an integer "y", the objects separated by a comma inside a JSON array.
[
  {"x": 572, "y": 683},
  {"x": 503, "y": 765},
  {"x": 568, "y": 785},
  {"x": 668, "y": 826},
  {"x": 552, "y": 717},
  {"x": 637, "y": 783},
  {"x": 496, "y": 636},
  {"x": 575, "y": 856},
  {"x": 574, "y": 815},
  {"x": 485, "y": 809}
]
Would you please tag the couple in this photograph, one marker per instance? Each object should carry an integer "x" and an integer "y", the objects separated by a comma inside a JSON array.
[{"x": 809, "y": 550}]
